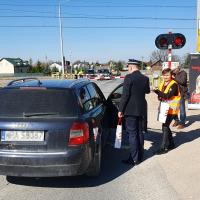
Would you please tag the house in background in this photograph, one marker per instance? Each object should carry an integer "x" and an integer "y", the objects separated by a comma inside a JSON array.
[
  {"x": 13, "y": 66},
  {"x": 56, "y": 65},
  {"x": 155, "y": 66}
]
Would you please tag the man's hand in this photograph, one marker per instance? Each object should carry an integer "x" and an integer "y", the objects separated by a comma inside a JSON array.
[{"x": 120, "y": 114}]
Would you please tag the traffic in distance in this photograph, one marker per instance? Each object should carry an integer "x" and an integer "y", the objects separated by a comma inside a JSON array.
[
  {"x": 100, "y": 74},
  {"x": 54, "y": 127}
]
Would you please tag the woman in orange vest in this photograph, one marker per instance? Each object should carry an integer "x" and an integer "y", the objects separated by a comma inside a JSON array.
[{"x": 168, "y": 92}]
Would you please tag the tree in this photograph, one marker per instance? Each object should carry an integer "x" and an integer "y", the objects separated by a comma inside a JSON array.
[
  {"x": 47, "y": 71},
  {"x": 120, "y": 65},
  {"x": 30, "y": 62},
  {"x": 163, "y": 56},
  {"x": 186, "y": 61}
]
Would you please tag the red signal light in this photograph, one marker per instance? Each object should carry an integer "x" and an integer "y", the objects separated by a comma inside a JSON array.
[
  {"x": 163, "y": 42},
  {"x": 178, "y": 41}
]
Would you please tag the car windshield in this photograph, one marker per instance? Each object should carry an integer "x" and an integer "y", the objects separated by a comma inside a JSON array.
[
  {"x": 90, "y": 71},
  {"x": 40, "y": 103},
  {"x": 104, "y": 71}
]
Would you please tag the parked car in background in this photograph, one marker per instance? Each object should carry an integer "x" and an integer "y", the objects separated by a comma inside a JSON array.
[
  {"x": 103, "y": 74},
  {"x": 90, "y": 74},
  {"x": 47, "y": 128}
]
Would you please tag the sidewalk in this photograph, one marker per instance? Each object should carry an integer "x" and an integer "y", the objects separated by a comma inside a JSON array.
[{"x": 181, "y": 165}]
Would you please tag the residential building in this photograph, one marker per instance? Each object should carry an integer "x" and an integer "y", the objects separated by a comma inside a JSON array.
[{"x": 13, "y": 66}]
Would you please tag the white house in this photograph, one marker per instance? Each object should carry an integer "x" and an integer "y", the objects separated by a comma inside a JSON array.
[
  {"x": 13, "y": 65},
  {"x": 56, "y": 65}
]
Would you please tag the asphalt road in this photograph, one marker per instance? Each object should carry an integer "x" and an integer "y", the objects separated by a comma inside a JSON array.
[{"x": 148, "y": 181}]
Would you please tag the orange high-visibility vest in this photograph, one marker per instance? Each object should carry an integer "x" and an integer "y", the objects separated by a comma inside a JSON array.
[{"x": 174, "y": 102}]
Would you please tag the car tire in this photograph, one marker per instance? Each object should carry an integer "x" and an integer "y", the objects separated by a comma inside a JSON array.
[{"x": 95, "y": 166}]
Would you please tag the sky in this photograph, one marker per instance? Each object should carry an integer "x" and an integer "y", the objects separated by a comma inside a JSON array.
[{"x": 93, "y": 30}]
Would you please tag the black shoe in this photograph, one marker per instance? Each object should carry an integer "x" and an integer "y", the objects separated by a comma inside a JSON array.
[
  {"x": 172, "y": 146},
  {"x": 137, "y": 162},
  {"x": 129, "y": 162},
  {"x": 161, "y": 151}
]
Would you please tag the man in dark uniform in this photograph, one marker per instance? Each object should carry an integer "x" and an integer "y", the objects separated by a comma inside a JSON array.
[{"x": 132, "y": 107}]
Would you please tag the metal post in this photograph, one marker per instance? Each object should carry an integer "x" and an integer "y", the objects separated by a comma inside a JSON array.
[
  {"x": 170, "y": 54},
  {"x": 142, "y": 63},
  {"x": 71, "y": 70},
  {"x": 61, "y": 40}
]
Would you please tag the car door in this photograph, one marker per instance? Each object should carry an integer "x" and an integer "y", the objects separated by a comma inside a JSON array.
[
  {"x": 98, "y": 109},
  {"x": 92, "y": 105},
  {"x": 113, "y": 102},
  {"x": 112, "y": 107},
  {"x": 115, "y": 95}
]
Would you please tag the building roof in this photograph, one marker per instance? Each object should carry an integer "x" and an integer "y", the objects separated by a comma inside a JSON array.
[{"x": 16, "y": 61}]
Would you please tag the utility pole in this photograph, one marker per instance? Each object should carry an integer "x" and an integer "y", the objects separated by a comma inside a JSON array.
[
  {"x": 142, "y": 63},
  {"x": 198, "y": 26},
  {"x": 61, "y": 40},
  {"x": 71, "y": 70}
]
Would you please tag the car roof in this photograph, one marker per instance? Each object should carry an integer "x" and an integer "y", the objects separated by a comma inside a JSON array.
[{"x": 48, "y": 83}]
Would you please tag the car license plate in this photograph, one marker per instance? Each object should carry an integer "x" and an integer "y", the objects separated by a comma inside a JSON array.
[{"x": 22, "y": 136}]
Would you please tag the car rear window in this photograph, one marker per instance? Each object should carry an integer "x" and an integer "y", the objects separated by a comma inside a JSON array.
[{"x": 18, "y": 102}]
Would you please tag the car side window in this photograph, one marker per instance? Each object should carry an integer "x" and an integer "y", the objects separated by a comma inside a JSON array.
[
  {"x": 96, "y": 100},
  {"x": 116, "y": 94},
  {"x": 99, "y": 93},
  {"x": 85, "y": 99}
]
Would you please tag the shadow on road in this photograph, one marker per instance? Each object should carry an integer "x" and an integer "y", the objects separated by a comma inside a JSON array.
[
  {"x": 180, "y": 138},
  {"x": 192, "y": 119},
  {"x": 112, "y": 168}
]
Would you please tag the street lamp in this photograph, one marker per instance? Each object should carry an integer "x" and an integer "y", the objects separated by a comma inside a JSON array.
[{"x": 61, "y": 38}]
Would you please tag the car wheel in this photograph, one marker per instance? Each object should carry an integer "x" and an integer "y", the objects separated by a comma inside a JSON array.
[{"x": 95, "y": 166}]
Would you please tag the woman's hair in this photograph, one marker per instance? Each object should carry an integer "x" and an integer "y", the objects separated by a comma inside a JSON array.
[{"x": 166, "y": 71}]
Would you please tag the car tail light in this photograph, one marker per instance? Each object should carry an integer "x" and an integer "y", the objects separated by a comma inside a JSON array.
[{"x": 79, "y": 133}]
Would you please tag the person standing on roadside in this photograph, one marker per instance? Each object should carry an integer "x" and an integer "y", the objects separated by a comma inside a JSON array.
[
  {"x": 168, "y": 92},
  {"x": 132, "y": 107},
  {"x": 180, "y": 76}
]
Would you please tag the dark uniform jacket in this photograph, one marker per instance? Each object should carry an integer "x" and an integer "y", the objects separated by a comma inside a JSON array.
[
  {"x": 181, "y": 79},
  {"x": 132, "y": 103}
]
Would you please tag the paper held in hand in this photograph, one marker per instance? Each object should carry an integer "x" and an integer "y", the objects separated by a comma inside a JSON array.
[
  {"x": 118, "y": 136},
  {"x": 163, "y": 111}
]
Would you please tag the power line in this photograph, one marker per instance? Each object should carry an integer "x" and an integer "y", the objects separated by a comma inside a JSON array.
[
  {"x": 95, "y": 27},
  {"x": 129, "y": 6},
  {"x": 99, "y": 18},
  {"x": 103, "y": 6},
  {"x": 26, "y": 11},
  {"x": 84, "y": 16}
]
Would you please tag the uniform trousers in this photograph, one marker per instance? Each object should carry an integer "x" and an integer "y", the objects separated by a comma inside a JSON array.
[{"x": 136, "y": 137}]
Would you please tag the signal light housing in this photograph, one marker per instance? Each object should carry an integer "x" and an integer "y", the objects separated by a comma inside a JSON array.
[
  {"x": 162, "y": 41},
  {"x": 177, "y": 40}
]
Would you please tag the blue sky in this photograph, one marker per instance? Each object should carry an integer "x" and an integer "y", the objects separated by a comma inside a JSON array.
[{"x": 30, "y": 29}]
